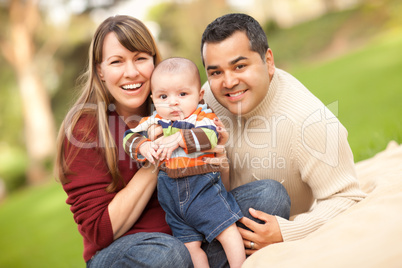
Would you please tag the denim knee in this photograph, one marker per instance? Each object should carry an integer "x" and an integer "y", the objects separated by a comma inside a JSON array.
[
  {"x": 143, "y": 250},
  {"x": 178, "y": 254},
  {"x": 175, "y": 254},
  {"x": 268, "y": 196},
  {"x": 283, "y": 203}
]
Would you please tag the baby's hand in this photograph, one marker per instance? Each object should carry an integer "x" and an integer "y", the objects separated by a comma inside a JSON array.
[
  {"x": 166, "y": 145},
  {"x": 148, "y": 150},
  {"x": 154, "y": 131}
]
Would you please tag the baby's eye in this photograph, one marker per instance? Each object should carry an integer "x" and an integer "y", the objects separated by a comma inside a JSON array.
[
  {"x": 182, "y": 94},
  {"x": 163, "y": 96}
]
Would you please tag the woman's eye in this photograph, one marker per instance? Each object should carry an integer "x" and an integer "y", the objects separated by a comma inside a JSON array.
[
  {"x": 240, "y": 66},
  {"x": 143, "y": 57}
]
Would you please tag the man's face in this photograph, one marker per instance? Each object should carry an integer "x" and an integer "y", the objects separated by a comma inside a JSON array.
[{"x": 238, "y": 77}]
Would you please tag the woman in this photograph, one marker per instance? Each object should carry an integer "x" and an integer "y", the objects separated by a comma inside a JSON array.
[
  {"x": 114, "y": 199},
  {"x": 109, "y": 195}
]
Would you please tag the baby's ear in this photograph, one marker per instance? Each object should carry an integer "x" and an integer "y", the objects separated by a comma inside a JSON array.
[{"x": 202, "y": 91}]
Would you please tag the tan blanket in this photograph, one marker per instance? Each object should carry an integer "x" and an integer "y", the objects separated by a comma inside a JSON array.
[{"x": 368, "y": 234}]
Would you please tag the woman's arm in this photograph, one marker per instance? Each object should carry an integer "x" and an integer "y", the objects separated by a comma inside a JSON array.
[
  {"x": 128, "y": 204},
  {"x": 104, "y": 216}
]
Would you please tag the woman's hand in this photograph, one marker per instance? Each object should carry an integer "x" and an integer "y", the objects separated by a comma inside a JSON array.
[{"x": 261, "y": 235}]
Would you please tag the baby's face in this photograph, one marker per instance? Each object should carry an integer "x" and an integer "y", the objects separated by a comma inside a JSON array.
[{"x": 175, "y": 96}]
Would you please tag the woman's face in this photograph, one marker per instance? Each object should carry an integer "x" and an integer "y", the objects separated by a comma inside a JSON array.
[{"x": 126, "y": 75}]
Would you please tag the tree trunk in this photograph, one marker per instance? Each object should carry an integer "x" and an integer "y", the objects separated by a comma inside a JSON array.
[{"x": 39, "y": 126}]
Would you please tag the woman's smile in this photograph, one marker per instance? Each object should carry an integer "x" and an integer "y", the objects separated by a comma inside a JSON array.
[{"x": 132, "y": 86}]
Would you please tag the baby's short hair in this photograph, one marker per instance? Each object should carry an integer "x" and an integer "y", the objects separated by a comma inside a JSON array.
[{"x": 177, "y": 65}]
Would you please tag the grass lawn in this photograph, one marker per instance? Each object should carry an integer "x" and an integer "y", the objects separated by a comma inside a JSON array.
[
  {"x": 37, "y": 230},
  {"x": 367, "y": 86}
]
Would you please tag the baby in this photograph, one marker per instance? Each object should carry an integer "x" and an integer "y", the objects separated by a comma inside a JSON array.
[{"x": 190, "y": 191}]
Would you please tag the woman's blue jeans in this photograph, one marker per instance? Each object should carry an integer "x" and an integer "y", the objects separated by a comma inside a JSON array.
[{"x": 162, "y": 250}]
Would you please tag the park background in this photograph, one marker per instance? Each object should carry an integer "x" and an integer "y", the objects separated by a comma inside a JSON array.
[{"x": 347, "y": 52}]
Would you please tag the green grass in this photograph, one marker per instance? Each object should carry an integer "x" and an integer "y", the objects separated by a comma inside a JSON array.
[
  {"x": 37, "y": 230},
  {"x": 367, "y": 85},
  {"x": 294, "y": 45}
]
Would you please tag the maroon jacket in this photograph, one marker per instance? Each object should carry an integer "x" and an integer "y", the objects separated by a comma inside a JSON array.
[{"x": 86, "y": 190}]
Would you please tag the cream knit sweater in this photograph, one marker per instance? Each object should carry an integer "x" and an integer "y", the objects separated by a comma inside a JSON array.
[{"x": 293, "y": 138}]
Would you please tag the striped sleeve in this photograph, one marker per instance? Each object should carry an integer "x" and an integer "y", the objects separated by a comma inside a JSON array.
[
  {"x": 133, "y": 138},
  {"x": 204, "y": 135},
  {"x": 132, "y": 142}
]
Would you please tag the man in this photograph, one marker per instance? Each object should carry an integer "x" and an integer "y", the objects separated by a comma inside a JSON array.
[{"x": 278, "y": 130}]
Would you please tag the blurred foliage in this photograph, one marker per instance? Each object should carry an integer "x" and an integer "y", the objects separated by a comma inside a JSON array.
[
  {"x": 14, "y": 162},
  {"x": 13, "y": 159},
  {"x": 73, "y": 59},
  {"x": 326, "y": 37},
  {"x": 60, "y": 56},
  {"x": 182, "y": 24}
]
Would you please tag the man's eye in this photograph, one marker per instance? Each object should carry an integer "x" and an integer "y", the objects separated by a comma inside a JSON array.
[{"x": 215, "y": 73}]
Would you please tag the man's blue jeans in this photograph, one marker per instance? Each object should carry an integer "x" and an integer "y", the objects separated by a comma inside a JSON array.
[{"x": 162, "y": 250}]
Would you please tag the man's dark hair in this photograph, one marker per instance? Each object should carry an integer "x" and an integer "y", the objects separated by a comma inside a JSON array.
[{"x": 226, "y": 25}]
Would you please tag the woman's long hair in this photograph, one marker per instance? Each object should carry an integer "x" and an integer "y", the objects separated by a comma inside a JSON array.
[{"x": 95, "y": 98}]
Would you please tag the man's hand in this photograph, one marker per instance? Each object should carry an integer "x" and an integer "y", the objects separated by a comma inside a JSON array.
[
  {"x": 261, "y": 235},
  {"x": 220, "y": 158}
]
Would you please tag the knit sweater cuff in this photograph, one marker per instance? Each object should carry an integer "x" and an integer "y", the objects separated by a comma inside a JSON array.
[
  {"x": 306, "y": 223},
  {"x": 292, "y": 230}
]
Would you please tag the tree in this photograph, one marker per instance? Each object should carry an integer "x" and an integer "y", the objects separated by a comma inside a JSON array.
[
  {"x": 182, "y": 24},
  {"x": 19, "y": 50},
  {"x": 26, "y": 47}
]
